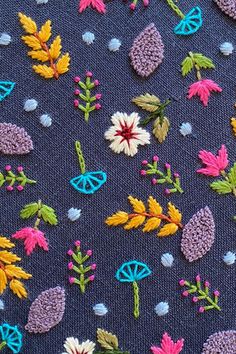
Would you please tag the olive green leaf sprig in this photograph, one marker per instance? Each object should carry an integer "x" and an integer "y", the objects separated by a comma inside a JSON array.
[
  {"x": 11, "y": 179},
  {"x": 152, "y": 104},
  {"x": 108, "y": 342}
]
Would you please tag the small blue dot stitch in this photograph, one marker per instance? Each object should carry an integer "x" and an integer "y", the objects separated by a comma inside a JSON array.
[{"x": 191, "y": 23}]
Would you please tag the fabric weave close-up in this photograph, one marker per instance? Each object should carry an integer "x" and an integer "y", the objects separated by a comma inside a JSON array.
[{"x": 117, "y": 177}]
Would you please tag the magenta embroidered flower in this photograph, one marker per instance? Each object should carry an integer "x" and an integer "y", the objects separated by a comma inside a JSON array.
[
  {"x": 214, "y": 165},
  {"x": 95, "y": 4},
  {"x": 31, "y": 237},
  {"x": 203, "y": 89},
  {"x": 168, "y": 346}
]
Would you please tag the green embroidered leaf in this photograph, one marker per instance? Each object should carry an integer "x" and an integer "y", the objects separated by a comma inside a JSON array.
[
  {"x": 48, "y": 214},
  {"x": 107, "y": 340},
  {"x": 187, "y": 65},
  {"x": 112, "y": 352},
  {"x": 221, "y": 187},
  {"x": 147, "y": 102},
  {"x": 161, "y": 128},
  {"x": 29, "y": 210},
  {"x": 202, "y": 61},
  {"x": 232, "y": 175}
]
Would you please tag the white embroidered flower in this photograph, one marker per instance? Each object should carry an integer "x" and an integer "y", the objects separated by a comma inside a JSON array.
[
  {"x": 72, "y": 346},
  {"x": 125, "y": 133}
]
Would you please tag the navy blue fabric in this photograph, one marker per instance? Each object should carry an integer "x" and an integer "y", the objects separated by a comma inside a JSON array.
[{"x": 53, "y": 162}]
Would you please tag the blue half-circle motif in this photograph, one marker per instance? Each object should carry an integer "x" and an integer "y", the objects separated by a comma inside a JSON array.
[
  {"x": 89, "y": 182},
  {"x": 190, "y": 23}
]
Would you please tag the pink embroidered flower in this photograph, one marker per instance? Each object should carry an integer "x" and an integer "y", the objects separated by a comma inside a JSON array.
[
  {"x": 95, "y": 4},
  {"x": 203, "y": 89},
  {"x": 214, "y": 164},
  {"x": 31, "y": 237},
  {"x": 168, "y": 346}
]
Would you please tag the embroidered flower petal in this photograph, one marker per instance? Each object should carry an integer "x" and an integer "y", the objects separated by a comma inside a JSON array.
[
  {"x": 168, "y": 346},
  {"x": 214, "y": 164},
  {"x": 31, "y": 237}
]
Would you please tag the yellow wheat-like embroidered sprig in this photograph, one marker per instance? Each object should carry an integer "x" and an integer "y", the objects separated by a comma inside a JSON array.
[
  {"x": 9, "y": 273},
  {"x": 151, "y": 217},
  {"x": 233, "y": 125},
  {"x": 37, "y": 40}
]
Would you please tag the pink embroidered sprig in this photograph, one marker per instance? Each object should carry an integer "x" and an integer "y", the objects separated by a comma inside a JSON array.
[
  {"x": 133, "y": 5},
  {"x": 201, "y": 293},
  {"x": 87, "y": 86},
  {"x": 215, "y": 166},
  {"x": 203, "y": 87},
  {"x": 95, "y": 4},
  {"x": 21, "y": 179},
  {"x": 152, "y": 169},
  {"x": 81, "y": 269},
  {"x": 32, "y": 236},
  {"x": 168, "y": 346}
]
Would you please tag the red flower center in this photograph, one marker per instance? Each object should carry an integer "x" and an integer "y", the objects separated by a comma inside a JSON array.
[{"x": 126, "y": 132}]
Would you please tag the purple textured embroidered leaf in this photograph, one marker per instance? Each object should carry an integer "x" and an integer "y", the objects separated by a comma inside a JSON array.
[
  {"x": 46, "y": 311},
  {"x": 222, "y": 342},
  {"x": 198, "y": 235},
  {"x": 14, "y": 140},
  {"x": 228, "y": 7},
  {"x": 146, "y": 53}
]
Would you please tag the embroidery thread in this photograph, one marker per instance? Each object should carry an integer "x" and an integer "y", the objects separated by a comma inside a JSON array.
[
  {"x": 108, "y": 342},
  {"x": 152, "y": 169},
  {"x": 189, "y": 23},
  {"x": 9, "y": 272},
  {"x": 125, "y": 134},
  {"x": 87, "y": 182},
  {"x": 152, "y": 218},
  {"x": 133, "y": 5},
  {"x": 203, "y": 87},
  {"x": 168, "y": 346},
  {"x": 94, "y": 4},
  {"x": 87, "y": 86},
  {"x": 81, "y": 269},
  {"x": 37, "y": 40},
  {"x": 14, "y": 140},
  {"x": 132, "y": 272},
  {"x": 11, "y": 337},
  {"x": 6, "y": 88},
  {"x": 72, "y": 345},
  {"x": 152, "y": 104},
  {"x": 201, "y": 293},
  {"x": 220, "y": 342},
  {"x": 21, "y": 179},
  {"x": 228, "y": 7},
  {"x": 32, "y": 236}
]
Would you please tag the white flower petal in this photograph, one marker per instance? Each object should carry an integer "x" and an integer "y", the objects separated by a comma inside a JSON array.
[
  {"x": 72, "y": 346},
  {"x": 110, "y": 133}
]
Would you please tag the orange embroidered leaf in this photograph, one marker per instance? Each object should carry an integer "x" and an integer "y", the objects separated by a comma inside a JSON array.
[
  {"x": 138, "y": 205},
  {"x": 55, "y": 48},
  {"x": 174, "y": 213},
  {"x": 5, "y": 243},
  {"x": 167, "y": 230},
  {"x": 63, "y": 64},
  {"x": 151, "y": 224},
  {"x": 8, "y": 257},
  {"x": 135, "y": 222},
  {"x": 16, "y": 272},
  {"x": 45, "y": 32},
  {"x": 39, "y": 55},
  {"x": 44, "y": 71},
  {"x": 31, "y": 42},
  {"x": 3, "y": 281},
  {"x": 233, "y": 124},
  {"x": 154, "y": 206},
  {"x": 118, "y": 218},
  {"x": 18, "y": 288},
  {"x": 27, "y": 23}
]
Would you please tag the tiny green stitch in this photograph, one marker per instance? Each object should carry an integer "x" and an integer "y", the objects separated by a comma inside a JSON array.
[
  {"x": 87, "y": 87},
  {"x": 21, "y": 179}
]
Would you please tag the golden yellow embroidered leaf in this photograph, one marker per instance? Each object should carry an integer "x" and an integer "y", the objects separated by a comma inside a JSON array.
[
  {"x": 44, "y": 71},
  {"x": 45, "y": 32},
  {"x": 8, "y": 257},
  {"x": 16, "y": 272},
  {"x": 160, "y": 131},
  {"x": 39, "y": 55},
  {"x": 31, "y": 42},
  {"x": 154, "y": 206},
  {"x": 107, "y": 340},
  {"x": 151, "y": 224},
  {"x": 147, "y": 102},
  {"x": 135, "y": 222},
  {"x": 18, "y": 288},
  {"x": 63, "y": 64},
  {"x": 233, "y": 124},
  {"x": 5, "y": 243},
  {"x": 174, "y": 213},
  {"x": 55, "y": 48},
  {"x": 118, "y": 218},
  {"x": 3, "y": 281},
  {"x": 138, "y": 205},
  {"x": 168, "y": 229},
  {"x": 27, "y": 23}
]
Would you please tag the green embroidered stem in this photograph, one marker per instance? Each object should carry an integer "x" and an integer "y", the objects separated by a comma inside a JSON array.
[
  {"x": 2, "y": 345},
  {"x": 39, "y": 215},
  {"x": 225, "y": 176},
  {"x": 136, "y": 299},
  {"x": 158, "y": 113},
  {"x": 175, "y": 8},
  {"x": 80, "y": 157},
  {"x": 196, "y": 66}
]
